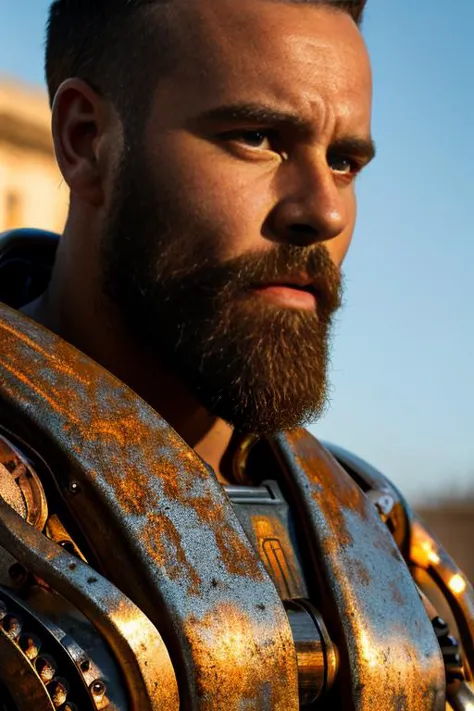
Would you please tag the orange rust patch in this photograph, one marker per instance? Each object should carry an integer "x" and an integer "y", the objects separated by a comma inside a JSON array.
[
  {"x": 163, "y": 542},
  {"x": 238, "y": 558},
  {"x": 234, "y": 658},
  {"x": 323, "y": 470},
  {"x": 332, "y": 487}
]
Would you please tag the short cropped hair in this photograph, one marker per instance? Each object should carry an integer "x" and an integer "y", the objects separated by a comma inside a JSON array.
[{"x": 110, "y": 44}]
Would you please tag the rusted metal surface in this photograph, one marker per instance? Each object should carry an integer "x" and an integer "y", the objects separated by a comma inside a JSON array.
[
  {"x": 83, "y": 656},
  {"x": 157, "y": 520},
  {"x": 136, "y": 643},
  {"x": 386, "y": 498},
  {"x": 442, "y": 585},
  {"x": 390, "y": 658}
]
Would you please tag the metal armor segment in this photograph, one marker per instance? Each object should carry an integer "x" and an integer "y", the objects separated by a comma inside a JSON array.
[
  {"x": 444, "y": 588},
  {"x": 20, "y": 487},
  {"x": 71, "y": 679},
  {"x": 29, "y": 691},
  {"x": 390, "y": 504},
  {"x": 265, "y": 517},
  {"x": 268, "y": 522},
  {"x": 390, "y": 658},
  {"x": 135, "y": 642},
  {"x": 427, "y": 554},
  {"x": 157, "y": 520}
]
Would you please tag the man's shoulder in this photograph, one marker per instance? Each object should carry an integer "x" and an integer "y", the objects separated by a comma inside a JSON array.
[{"x": 26, "y": 259}]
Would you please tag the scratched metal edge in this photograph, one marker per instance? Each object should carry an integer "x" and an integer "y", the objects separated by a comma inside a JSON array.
[
  {"x": 143, "y": 488},
  {"x": 367, "y": 594}
]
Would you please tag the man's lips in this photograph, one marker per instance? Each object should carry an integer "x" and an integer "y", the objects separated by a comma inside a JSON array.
[{"x": 294, "y": 293}]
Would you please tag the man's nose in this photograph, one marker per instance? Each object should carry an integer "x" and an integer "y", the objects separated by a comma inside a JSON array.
[{"x": 311, "y": 207}]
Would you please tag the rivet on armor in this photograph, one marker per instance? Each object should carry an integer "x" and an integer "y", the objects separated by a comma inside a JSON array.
[
  {"x": 3, "y": 610},
  {"x": 98, "y": 688},
  {"x": 440, "y": 626},
  {"x": 46, "y": 668},
  {"x": 17, "y": 573},
  {"x": 58, "y": 691},
  {"x": 31, "y": 645},
  {"x": 12, "y": 626},
  {"x": 449, "y": 642}
]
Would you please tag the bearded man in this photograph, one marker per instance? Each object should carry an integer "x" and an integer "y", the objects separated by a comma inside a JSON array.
[
  {"x": 211, "y": 148},
  {"x": 212, "y": 178}
]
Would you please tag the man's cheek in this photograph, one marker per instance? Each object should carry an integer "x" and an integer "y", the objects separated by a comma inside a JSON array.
[
  {"x": 227, "y": 200},
  {"x": 227, "y": 223}
]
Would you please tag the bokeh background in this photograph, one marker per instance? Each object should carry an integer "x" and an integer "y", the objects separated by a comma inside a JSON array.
[{"x": 402, "y": 392}]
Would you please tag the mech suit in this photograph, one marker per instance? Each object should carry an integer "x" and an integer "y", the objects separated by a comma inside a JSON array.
[{"x": 130, "y": 579}]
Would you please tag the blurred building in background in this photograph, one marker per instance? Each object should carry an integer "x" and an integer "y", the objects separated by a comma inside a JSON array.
[{"x": 32, "y": 193}]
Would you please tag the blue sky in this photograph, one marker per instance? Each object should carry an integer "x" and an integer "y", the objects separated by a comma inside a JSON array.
[{"x": 402, "y": 369}]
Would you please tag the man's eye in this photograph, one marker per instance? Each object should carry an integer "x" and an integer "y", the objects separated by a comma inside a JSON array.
[
  {"x": 252, "y": 139},
  {"x": 342, "y": 165}
]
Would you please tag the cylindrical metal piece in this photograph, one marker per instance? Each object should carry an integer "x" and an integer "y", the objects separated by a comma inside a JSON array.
[
  {"x": 316, "y": 654},
  {"x": 460, "y": 696}
]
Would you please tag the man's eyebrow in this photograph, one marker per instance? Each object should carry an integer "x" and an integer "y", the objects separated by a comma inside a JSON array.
[
  {"x": 269, "y": 115},
  {"x": 354, "y": 146},
  {"x": 253, "y": 113}
]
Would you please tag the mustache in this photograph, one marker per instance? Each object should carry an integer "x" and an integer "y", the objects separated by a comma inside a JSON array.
[{"x": 284, "y": 263}]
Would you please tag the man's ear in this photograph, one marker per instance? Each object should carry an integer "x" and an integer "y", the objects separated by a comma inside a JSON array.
[{"x": 81, "y": 122}]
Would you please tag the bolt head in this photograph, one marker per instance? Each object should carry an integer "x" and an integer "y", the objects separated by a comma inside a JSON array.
[{"x": 98, "y": 688}]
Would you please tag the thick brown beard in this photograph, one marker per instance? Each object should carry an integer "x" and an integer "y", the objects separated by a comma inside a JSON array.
[{"x": 260, "y": 367}]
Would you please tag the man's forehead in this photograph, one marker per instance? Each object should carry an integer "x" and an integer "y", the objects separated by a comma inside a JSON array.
[
  {"x": 212, "y": 32},
  {"x": 236, "y": 14},
  {"x": 236, "y": 50}
]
